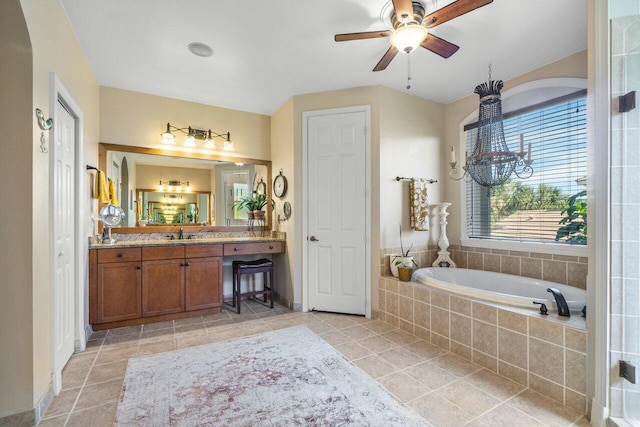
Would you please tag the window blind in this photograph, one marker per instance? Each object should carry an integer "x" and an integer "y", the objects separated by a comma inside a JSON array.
[{"x": 530, "y": 209}]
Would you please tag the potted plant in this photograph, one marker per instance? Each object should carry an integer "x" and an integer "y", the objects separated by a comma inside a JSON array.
[
  {"x": 142, "y": 222},
  {"x": 254, "y": 203},
  {"x": 402, "y": 265}
]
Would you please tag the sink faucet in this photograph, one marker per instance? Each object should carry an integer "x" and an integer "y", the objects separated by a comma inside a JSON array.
[
  {"x": 181, "y": 235},
  {"x": 561, "y": 303}
]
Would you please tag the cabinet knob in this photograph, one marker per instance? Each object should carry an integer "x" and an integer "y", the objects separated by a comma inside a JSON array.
[
  {"x": 138, "y": 267},
  {"x": 119, "y": 255},
  {"x": 186, "y": 264},
  {"x": 235, "y": 249},
  {"x": 271, "y": 247}
]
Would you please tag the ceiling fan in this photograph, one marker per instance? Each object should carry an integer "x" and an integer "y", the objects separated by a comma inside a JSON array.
[{"x": 410, "y": 28}]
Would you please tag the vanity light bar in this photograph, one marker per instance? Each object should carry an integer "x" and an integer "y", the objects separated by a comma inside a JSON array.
[{"x": 192, "y": 134}]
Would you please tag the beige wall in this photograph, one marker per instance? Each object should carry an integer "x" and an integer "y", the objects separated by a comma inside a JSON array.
[
  {"x": 282, "y": 155},
  {"x": 55, "y": 50},
  {"x": 16, "y": 305},
  {"x": 411, "y": 144},
  {"x": 572, "y": 66},
  {"x": 405, "y": 130},
  {"x": 138, "y": 119}
]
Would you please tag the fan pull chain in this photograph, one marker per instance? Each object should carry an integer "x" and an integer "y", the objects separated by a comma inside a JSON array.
[{"x": 408, "y": 70}]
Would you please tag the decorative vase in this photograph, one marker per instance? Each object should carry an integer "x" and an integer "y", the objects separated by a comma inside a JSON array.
[
  {"x": 404, "y": 274},
  {"x": 258, "y": 214},
  {"x": 142, "y": 222},
  {"x": 396, "y": 261},
  {"x": 251, "y": 214}
]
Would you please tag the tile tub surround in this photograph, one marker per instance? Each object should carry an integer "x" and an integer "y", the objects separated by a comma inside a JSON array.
[
  {"x": 546, "y": 354},
  {"x": 567, "y": 270}
]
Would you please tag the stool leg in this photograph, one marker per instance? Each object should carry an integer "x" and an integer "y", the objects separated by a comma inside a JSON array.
[
  {"x": 264, "y": 286},
  {"x": 238, "y": 277},
  {"x": 271, "y": 285},
  {"x": 233, "y": 288}
]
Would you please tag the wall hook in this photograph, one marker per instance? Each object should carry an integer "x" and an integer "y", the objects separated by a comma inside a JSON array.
[{"x": 45, "y": 124}]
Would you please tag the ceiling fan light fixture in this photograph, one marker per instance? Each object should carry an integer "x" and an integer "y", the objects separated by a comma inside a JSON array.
[{"x": 408, "y": 37}]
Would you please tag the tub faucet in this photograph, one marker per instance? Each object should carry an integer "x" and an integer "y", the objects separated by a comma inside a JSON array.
[
  {"x": 561, "y": 303},
  {"x": 181, "y": 235}
]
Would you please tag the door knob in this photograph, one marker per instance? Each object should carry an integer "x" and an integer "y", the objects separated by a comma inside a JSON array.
[{"x": 313, "y": 239}]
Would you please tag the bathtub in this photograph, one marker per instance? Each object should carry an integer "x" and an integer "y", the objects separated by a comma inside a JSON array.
[{"x": 498, "y": 287}]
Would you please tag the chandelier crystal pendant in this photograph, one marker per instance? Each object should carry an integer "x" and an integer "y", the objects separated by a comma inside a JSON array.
[{"x": 492, "y": 163}]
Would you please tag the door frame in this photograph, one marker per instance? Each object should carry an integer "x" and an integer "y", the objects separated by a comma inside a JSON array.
[
  {"x": 58, "y": 92},
  {"x": 366, "y": 109}
]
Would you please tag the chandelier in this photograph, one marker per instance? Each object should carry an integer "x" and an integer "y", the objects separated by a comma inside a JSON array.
[{"x": 492, "y": 163}]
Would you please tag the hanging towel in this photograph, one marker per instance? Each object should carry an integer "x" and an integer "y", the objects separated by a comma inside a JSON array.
[
  {"x": 418, "y": 204},
  {"x": 113, "y": 196},
  {"x": 101, "y": 190}
]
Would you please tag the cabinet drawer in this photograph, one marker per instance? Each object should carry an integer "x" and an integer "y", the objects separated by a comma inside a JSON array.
[
  {"x": 203, "y": 251},
  {"x": 162, "y": 252},
  {"x": 118, "y": 255},
  {"x": 253, "y": 248}
]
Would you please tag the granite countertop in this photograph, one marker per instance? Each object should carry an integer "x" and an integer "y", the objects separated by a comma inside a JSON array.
[{"x": 269, "y": 237}]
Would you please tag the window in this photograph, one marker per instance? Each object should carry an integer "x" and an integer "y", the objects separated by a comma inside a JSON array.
[{"x": 550, "y": 206}]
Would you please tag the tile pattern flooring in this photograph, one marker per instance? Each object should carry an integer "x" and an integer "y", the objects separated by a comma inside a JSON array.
[{"x": 443, "y": 388}]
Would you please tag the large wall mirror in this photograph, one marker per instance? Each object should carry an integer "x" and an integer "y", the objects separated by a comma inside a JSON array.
[{"x": 159, "y": 188}]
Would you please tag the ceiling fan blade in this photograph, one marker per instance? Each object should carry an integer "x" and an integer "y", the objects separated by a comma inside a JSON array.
[
  {"x": 386, "y": 59},
  {"x": 453, "y": 10},
  {"x": 439, "y": 46},
  {"x": 404, "y": 10},
  {"x": 360, "y": 36}
]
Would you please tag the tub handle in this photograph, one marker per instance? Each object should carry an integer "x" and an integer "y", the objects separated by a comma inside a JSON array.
[{"x": 543, "y": 308}]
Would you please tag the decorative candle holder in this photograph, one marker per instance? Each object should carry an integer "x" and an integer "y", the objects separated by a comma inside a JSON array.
[{"x": 444, "y": 258}]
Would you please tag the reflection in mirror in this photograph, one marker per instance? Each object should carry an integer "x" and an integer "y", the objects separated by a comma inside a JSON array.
[
  {"x": 214, "y": 182},
  {"x": 164, "y": 207}
]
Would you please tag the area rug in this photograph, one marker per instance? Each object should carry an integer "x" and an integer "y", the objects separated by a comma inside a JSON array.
[{"x": 288, "y": 377}]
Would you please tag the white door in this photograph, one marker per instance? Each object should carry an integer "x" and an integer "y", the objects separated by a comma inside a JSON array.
[
  {"x": 336, "y": 212},
  {"x": 64, "y": 238}
]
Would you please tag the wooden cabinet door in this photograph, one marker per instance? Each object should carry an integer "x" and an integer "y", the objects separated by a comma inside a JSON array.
[
  {"x": 203, "y": 283},
  {"x": 118, "y": 291},
  {"x": 162, "y": 287}
]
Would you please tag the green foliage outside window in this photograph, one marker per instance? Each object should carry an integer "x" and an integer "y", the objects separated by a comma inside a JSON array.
[{"x": 574, "y": 223}]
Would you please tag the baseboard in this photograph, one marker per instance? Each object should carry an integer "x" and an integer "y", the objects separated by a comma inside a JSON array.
[
  {"x": 21, "y": 419},
  {"x": 43, "y": 403},
  {"x": 618, "y": 422},
  {"x": 599, "y": 414},
  {"x": 31, "y": 417}
]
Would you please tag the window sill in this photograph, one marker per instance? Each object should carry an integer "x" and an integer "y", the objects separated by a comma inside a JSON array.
[{"x": 543, "y": 248}]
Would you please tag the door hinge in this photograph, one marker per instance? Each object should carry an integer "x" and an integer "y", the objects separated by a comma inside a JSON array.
[
  {"x": 365, "y": 240},
  {"x": 365, "y": 131},
  {"x": 627, "y": 371}
]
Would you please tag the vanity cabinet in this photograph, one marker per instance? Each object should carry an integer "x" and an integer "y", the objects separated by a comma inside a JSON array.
[
  {"x": 119, "y": 287},
  {"x": 163, "y": 271},
  {"x": 131, "y": 286}
]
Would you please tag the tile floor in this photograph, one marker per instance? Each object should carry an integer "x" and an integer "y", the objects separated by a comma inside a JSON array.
[{"x": 443, "y": 388}]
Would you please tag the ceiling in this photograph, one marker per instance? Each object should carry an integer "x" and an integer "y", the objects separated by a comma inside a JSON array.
[{"x": 268, "y": 51}]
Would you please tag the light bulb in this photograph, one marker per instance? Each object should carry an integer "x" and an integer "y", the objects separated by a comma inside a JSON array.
[{"x": 408, "y": 37}]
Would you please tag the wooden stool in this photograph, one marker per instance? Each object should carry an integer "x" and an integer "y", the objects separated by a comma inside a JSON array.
[{"x": 252, "y": 267}]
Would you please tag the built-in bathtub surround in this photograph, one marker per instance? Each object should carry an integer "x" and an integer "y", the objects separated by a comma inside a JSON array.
[
  {"x": 424, "y": 256},
  {"x": 545, "y": 353},
  {"x": 564, "y": 269},
  {"x": 567, "y": 270}
]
